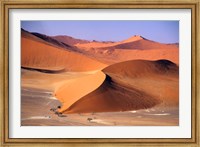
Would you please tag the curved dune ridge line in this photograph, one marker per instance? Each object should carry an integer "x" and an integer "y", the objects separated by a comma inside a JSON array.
[
  {"x": 75, "y": 89},
  {"x": 115, "y": 95},
  {"x": 159, "y": 79},
  {"x": 111, "y": 97},
  {"x": 136, "y": 68},
  {"x": 43, "y": 56}
]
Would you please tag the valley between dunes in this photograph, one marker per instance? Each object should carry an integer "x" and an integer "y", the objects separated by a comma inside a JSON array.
[{"x": 68, "y": 81}]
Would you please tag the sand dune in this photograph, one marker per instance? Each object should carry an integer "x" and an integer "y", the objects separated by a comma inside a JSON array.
[
  {"x": 73, "y": 90},
  {"x": 113, "y": 97},
  {"x": 132, "y": 39},
  {"x": 136, "y": 47},
  {"x": 106, "y": 44},
  {"x": 141, "y": 44},
  {"x": 55, "y": 42},
  {"x": 133, "y": 48},
  {"x": 47, "y": 40},
  {"x": 138, "y": 68},
  {"x": 39, "y": 55},
  {"x": 119, "y": 92},
  {"x": 69, "y": 40},
  {"x": 111, "y": 56},
  {"x": 159, "y": 79},
  {"x": 134, "y": 42}
]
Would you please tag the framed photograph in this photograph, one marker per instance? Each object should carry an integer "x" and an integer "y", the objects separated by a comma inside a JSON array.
[{"x": 105, "y": 72}]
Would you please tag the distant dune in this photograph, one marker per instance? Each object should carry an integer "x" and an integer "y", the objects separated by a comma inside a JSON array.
[
  {"x": 141, "y": 44},
  {"x": 134, "y": 42},
  {"x": 121, "y": 92},
  {"x": 136, "y": 47},
  {"x": 69, "y": 40},
  {"x": 37, "y": 53}
]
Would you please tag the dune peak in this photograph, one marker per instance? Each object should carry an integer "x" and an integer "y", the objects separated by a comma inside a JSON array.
[{"x": 133, "y": 38}]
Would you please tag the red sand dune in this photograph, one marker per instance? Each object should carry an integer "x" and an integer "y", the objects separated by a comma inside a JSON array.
[
  {"x": 138, "y": 68},
  {"x": 69, "y": 40},
  {"x": 133, "y": 48},
  {"x": 134, "y": 42},
  {"x": 74, "y": 89},
  {"x": 119, "y": 92},
  {"x": 40, "y": 55},
  {"x": 141, "y": 44},
  {"x": 106, "y": 44},
  {"x": 47, "y": 40}
]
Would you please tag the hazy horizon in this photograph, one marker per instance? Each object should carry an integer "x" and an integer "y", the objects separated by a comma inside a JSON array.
[{"x": 115, "y": 30}]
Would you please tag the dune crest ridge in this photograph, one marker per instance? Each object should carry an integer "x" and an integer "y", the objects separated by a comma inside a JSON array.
[{"x": 73, "y": 90}]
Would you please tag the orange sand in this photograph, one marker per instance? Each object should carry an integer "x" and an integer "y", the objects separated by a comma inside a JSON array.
[
  {"x": 124, "y": 86},
  {"x": 119, "y": 92},
  {"x": 42, "y": 56},
  {"x": 133, "y": 48},
  {"x": 73, "y": 90}
]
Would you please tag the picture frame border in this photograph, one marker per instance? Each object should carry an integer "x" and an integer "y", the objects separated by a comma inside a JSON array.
[{"x": 88, "y": 4}]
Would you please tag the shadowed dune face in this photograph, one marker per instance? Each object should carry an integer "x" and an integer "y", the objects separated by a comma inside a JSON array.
[
  {"x": 69, "y": 40},
  {"x": 47, "y": 40},
  {"x": 159, "y": 79},
  {"x": 54, "y": 42},
  {"x": 112, "y": 96},
  {"x": 43, "y": 56},
  {"x": 119, "y": 92}
]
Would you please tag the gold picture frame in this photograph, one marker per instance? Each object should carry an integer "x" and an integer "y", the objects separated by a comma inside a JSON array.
[{"x": 127, "y": 4}]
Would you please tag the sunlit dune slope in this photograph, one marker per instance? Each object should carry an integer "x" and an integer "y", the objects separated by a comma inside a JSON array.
[
  {"x": 47, "y": 40},
  {"x": 132, "y": 85},
  {"x": 74, "y": 89},
  {"x": 39, "y": 55}
]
